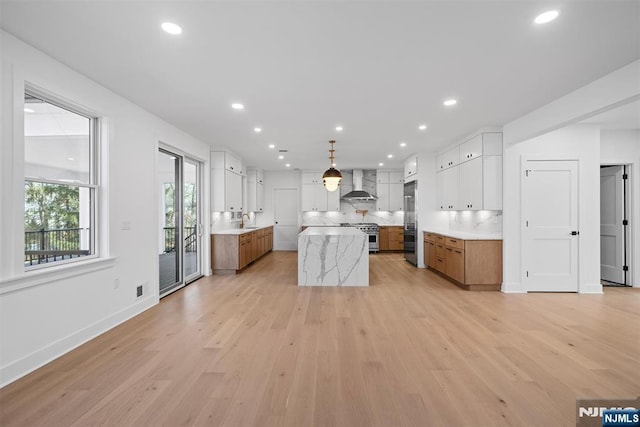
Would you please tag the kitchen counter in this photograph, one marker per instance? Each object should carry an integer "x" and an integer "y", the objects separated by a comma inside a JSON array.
[
  {"x": 333, "y": 256},
  {"x": 239, "y": 231},
  {"x": 467, "y": 236}
]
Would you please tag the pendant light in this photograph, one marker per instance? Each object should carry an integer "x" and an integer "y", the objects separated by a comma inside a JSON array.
[{"x": 331, "y": 177}]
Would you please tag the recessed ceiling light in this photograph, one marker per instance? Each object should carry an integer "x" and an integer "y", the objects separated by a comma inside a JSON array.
[
  {"x": 548, "y": 16},
  {"x": 380, "y": 164},
  {"x": 403, "y": 144},
  {"x": 272, "y": 145},
  {"x": 280, "y": 157},
  {"x": 288, "y": 165},
  {"x": 257, "y": 130},
  {"x": 390, "y": 156},
  {"x": 237, "y": 106},
  {"x": 70, "y": 158},
  {"x": 171, "y": 28},
  {"x": 422, "y": 127},
  {"x": 339, "y": 128},
  {"x": 450, "y": 102},
  {"x": 28, "y": 110}
]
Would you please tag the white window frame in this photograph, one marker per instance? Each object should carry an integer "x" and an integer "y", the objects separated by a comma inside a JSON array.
[{"x": 94, "y": 178}]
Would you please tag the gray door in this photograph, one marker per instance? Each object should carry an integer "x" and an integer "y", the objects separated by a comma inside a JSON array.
[
  {"x": 285, "y": 204},
  {"x": 612, "y": 238}
]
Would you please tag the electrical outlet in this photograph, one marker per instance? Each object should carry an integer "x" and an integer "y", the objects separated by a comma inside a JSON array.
[{"x": 139, "y": 291}]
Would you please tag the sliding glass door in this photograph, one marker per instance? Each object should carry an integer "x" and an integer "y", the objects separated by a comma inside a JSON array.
[
  {"x": 191, "y": 223},
  {"x": 180, "y": 234}
]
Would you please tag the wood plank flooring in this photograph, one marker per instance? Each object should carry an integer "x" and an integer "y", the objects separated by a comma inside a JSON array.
[{"x": 411, "y": 350}]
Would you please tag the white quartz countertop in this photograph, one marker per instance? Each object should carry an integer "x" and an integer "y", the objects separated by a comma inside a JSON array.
[
  {"x": 338, "y": 225},
  {"x": 238, "y": 231},
  {"x": 331, "y": 231},
  {"x": 466, "y": 235}
]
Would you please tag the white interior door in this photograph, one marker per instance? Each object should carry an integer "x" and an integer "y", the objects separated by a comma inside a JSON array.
[
  {"x": 285, "y": 230},
  {"x": 550, "y": 219},
  {"x": 611, "y": 227}
]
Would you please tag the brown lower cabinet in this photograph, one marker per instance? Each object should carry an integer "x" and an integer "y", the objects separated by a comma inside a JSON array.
[
  {"x": 230, "y": 253},
  {"x": 391, "y": 238},
  {"x": 471, "y": 264}
]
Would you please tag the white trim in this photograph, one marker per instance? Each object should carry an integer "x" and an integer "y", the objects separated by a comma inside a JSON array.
[
  {"x": 512, "y": 288},
  {"x": 590, "y": 288},
  {"x": 55, "y": 273},
  {"x": 29, "y": 363}
]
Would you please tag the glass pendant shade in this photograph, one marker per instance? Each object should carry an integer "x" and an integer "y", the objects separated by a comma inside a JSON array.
[{"x": 331, "y": 179}]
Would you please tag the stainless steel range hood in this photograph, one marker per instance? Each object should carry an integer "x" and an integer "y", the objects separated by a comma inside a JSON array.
[{"x": 358, "y": 193}]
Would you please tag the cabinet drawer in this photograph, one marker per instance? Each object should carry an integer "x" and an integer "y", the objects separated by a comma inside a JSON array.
[
  {"x": 454, "y": 243},
  {"x": 439, "y": 238},
  {"x": 430, "y": 237},
  {"x": 441, "y": 251},
  {"x": 440, "y": 264}
]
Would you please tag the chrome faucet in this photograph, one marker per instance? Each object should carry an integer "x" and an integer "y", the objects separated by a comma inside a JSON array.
[{"x": 242, "y": 219}]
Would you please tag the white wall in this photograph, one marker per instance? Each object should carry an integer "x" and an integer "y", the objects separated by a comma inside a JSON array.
[
  {"x": 623, "y": 147},
  {"x": 580, "y": 143},
  {"x": 47, "y": 313},
  {"x": 548, "y": 122}
]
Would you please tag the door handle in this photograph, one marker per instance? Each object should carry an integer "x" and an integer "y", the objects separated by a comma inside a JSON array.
[{"x": 575, "y": 233}]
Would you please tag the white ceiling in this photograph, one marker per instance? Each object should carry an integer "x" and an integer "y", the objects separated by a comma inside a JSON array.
[{"x": 377, "y": 68}]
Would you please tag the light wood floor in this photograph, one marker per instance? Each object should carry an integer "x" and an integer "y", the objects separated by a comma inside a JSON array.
[{"x": 413, "y": 349}]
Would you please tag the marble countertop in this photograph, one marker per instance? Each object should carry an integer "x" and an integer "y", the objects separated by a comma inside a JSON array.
[
  {"x": 238, "y": 231},
  {"x": 331, "y": 231},
  {"x": 466, "y": 235},
  {"x": 338, "y": 225}
]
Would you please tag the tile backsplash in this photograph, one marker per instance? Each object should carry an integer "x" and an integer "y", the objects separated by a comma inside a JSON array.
[{"x": 479, "y": 222}]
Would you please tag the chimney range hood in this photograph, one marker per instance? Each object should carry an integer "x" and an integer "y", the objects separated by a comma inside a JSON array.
[{"x": 358, "y": 193}]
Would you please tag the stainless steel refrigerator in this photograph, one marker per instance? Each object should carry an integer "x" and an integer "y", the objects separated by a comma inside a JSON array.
[{"x": 410, "y": 222}]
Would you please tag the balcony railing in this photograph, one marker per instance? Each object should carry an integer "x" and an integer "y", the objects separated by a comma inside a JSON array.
[
  {"x": 43, "y": 246},
  {"x": 190, "y": 239}
]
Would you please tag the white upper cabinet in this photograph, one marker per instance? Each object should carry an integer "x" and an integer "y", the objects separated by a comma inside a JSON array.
[
  {"x": 448, "y": 189},
  {"x": 333, "y": 200},
  {"x": 396, "y": 177},
  {"x": 492, "y": 183},
  {"x": 315, "y": 197},
  {"x": 472, "y": 149},
  {"x": 382, "y": 177},
  {"x": 448, "y": 159},
  {"x": 382, "y": 191},
  {"x": 473, "y": 180},
  {"x": 390, "y": 190},
  {"x": 255, "y": 190},
  {"x": 226, "y": 182},
  {"x": 396, "y": 196},
  {"x": 484, "y": 144},
  {"x": 410, "y": 168},
  {"x": 311, "y": 177},
  {"x": 471, "y": 185}
]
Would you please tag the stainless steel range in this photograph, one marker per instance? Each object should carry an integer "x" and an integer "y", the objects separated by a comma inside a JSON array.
[{"x": 371, "y": 229}]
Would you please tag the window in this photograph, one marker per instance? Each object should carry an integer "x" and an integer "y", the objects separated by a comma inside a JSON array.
[{"x": 59, "y": 184}]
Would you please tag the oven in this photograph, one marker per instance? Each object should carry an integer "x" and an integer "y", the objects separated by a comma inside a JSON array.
[{"x": 373, "y": 232}]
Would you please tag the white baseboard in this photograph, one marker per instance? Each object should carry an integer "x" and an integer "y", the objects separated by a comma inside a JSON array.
[
  {"x": 590, "y": 288},
  {"x": 512, "y": 288},
  {"x": 21, "y": 367}
]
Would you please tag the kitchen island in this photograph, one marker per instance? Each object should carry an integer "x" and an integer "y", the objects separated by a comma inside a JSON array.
[{"x": 333, "y": 256}]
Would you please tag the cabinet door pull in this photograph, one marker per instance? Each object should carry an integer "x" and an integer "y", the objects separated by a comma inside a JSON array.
[
  {"x": 449, "y": 249},
  {"x": 458, "y": 252}
]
